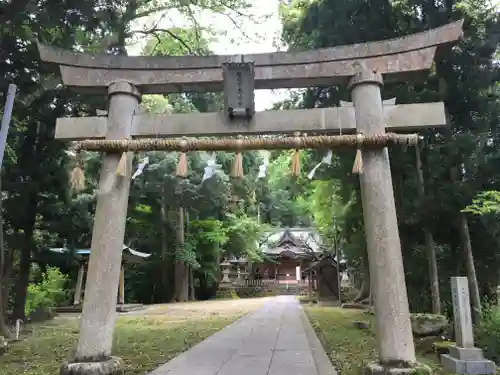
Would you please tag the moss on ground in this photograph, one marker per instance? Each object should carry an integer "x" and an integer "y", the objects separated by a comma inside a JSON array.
[
  {"x": 144, "y": 343},
  {"x": 349, "y": 348}
]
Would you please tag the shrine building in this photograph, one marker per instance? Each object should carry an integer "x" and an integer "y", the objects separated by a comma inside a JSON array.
[{"x": 287, "y": 253}]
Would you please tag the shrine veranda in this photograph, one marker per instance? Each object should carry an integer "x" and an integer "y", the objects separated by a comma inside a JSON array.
[{"x": 361, "y": 67}]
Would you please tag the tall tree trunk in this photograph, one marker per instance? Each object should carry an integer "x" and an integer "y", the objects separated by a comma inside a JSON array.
[
  {"x": 181, "y": 274},
  {"x": 192, "y": 296},
  {"x": 463, "y": 226},
  {"x": 429, "y": 242},
  {"x": 164, "y": 245},
  {"x": 4, "y": 331},
  {"x": 471, "y": 269},
  {"x": 24, "y": 276},
  {"x": 7, "y": 272}
]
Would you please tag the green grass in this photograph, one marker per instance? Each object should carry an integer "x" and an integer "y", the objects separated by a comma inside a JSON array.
[
  {"x": 350, "y": 349},
  {"x": 143, "y": 342}
]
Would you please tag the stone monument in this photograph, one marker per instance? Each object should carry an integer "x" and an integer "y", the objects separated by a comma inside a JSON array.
[{"x": 464, "y": 358}]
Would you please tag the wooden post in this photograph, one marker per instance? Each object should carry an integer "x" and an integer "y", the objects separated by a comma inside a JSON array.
[
  {"x": 79, "y": 286},
  {"x": 309, "y": 283},
  {"x": 121, "y": 288},
  {"x": 394, "y": 334},
  {"x": 99, "y": 305}
]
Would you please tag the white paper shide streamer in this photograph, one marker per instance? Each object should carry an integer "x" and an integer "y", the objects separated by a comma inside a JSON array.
[
  {"x": 211, "y": 167},
  {"x": 263, "y": 167},
  {"x": 140, "y": 168},
  {"x": 327, "y": 159}
]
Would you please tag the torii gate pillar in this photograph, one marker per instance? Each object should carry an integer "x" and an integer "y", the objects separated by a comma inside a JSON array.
[
  {"x": 394, "y": 333},
  {"x": 93, "y": 353}
]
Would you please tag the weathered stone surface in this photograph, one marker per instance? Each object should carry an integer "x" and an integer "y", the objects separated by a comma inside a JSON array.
[
  {"x": 462, "y": 312},
  {"x": 459, "y": 366},
  {"x": 416, "y": 369},
  {"x": 93, "y": 73},
  {"x": 99, "y": 306},
  {"x": 387, "y": 278},
  {"x": 466, "y": 354},
  {"x": 464, "y": 358},
  {"x": 321, "y": 74},
  {"x": 42, "y": 314},
  {"x": 428, "y": 324},
  {"x": 112, "y": 366},
  {"x": 402, "y": 117},
  {"x": 434, "y": 37},
  {"x": 276, "y": 340}
]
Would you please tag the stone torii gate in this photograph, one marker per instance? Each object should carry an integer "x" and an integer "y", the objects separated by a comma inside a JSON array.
[{"x": 360, "y": 66}]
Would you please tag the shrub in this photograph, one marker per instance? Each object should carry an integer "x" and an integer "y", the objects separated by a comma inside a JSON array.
[
  {"x": 348, "y": 293},
  {"x": 488, "y": 333},
  {"x": 226, "y": 293},
  {"x": 48, "y": 293}
]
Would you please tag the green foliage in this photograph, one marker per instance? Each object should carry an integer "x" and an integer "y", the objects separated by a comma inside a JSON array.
[
  {"x": 244, "y": 292},
  {"x": 488, "y": 333},
  {"x": 485, "y": 203},
  {"x": 468, "y": 147},
  {"x": 244, "y": 233},
  {"x": 144, "y": 342},
  {"x": 48, "y": 293},
  {"x": 351, "y": 349},
  {"x": 226, "y": 293}
]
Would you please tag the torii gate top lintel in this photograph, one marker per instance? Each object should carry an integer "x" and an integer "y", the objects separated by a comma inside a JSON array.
[{"x": 322, "y": 67}]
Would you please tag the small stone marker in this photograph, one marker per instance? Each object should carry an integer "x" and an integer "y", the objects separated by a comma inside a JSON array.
[{"x": 464, "y": 358}]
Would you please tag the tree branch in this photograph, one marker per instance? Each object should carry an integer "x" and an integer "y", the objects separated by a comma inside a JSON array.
[{"x": 153, "y": 31}]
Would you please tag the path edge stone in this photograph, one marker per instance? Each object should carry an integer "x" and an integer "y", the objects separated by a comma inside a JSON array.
[{"x": 323, "y": 363}]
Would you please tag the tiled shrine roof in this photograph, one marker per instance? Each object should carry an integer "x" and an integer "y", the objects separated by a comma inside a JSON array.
[
  {"x": 129, "y": 254},
  {"x": 297, "y": 241}
]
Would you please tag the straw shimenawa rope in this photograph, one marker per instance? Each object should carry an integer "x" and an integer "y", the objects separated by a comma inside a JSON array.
[{"x": 233, "y": 144}]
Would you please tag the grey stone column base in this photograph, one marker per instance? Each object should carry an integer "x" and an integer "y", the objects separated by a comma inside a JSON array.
[
  {"x": 112, "y": 366},
  {"x": 376, "y": 368},
  {"x": 463, "y": 366}
]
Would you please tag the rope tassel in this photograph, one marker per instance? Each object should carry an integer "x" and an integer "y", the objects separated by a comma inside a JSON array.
[
  {"x": 296, "y": 163},
  {"x": 357, "y": 168},
  {"x": 77, "y": 176},
  {"x": 237, "y": 170},
  {"x": 182, "y": 167},
  {"x": 122, "y": 168},
  {"x": 77, "y": 179},
  {"x": 296, "y": 155}
]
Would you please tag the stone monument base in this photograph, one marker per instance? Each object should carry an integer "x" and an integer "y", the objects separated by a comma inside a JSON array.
[
  {"x": 112, "y": 366},
  {"x": 467, "y": 361},
  {"x": 376, "y": 368}
]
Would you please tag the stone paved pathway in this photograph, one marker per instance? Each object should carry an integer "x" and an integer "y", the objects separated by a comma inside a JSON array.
[{"x": 275, "y": 340}]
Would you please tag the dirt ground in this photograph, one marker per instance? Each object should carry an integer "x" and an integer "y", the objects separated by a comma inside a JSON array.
[
  {"x": 203, "y": 309},
  {"x": 191, "y": 310}
]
